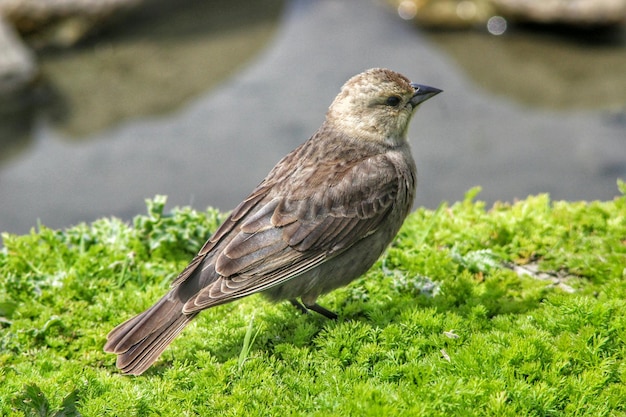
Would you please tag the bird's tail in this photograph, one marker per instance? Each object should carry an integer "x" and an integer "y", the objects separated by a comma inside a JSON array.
[{"x": 138, "y": 342}]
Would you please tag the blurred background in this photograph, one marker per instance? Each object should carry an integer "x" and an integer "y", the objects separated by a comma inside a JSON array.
[{"x": 104, "y": 104}]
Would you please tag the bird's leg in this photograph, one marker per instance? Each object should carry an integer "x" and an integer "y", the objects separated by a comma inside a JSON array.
[
  {"x": 321, "y": 310},
  {"x": 304, "y": 309},
  {"x": 299, "y": 306}
]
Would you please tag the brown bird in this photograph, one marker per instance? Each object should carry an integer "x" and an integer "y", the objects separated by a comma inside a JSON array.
[{"x": 320, "y": 219}]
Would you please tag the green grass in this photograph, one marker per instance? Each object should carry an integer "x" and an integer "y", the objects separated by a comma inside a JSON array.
[{"x": 443, "y": 325}]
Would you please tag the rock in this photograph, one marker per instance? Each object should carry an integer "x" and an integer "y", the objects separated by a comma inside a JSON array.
[
  {"x": 17, "y": 63},
  {"x": 61, "y": 23},
  {"x": 455, "y": 14},
  {"x": 569, "y": 12},
  {"x": 447, "y": 14}
]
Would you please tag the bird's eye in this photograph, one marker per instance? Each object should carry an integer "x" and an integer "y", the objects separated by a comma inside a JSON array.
[{"x": 393, "y": 101}]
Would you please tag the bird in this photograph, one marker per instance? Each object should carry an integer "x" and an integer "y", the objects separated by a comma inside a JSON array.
[{"x": 320, "y": 219}]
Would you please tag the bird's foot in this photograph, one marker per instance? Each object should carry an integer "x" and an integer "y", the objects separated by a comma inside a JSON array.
[
  {"x": 299, "y": 306},
  {"x": 304, "y": 308}
]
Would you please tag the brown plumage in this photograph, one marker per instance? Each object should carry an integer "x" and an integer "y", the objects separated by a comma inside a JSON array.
[{"x": 320, "y": 219}]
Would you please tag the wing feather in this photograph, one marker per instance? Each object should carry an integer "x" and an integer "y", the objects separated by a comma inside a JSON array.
[{"x": 280, "y": 232}]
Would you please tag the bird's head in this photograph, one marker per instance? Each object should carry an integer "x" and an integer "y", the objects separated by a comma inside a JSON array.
[{"x": 377, "y": 105}]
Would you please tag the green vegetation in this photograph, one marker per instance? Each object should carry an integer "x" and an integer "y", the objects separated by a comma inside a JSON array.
[{"x": 446, "y": 323}]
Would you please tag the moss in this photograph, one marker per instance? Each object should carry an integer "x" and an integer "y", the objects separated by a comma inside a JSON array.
[{"x": 445, "y": 323}]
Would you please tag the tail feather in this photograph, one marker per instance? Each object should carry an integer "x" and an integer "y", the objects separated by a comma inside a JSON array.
[
  {"x": 142, "y": 355},
  {"x": 138, "y": 342}
]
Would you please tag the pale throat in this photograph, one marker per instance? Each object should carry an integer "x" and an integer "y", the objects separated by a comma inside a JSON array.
[{"x": 392, "y": 132}]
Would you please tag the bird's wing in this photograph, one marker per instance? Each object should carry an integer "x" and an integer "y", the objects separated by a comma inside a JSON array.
[{"x": 276, "y": 235}]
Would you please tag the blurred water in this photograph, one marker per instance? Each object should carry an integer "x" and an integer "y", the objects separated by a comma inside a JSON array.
[{"x": 215, "y": 148}]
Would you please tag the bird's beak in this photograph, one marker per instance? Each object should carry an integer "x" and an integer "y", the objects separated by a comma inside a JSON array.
[{"x": 423, "y": 93}]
